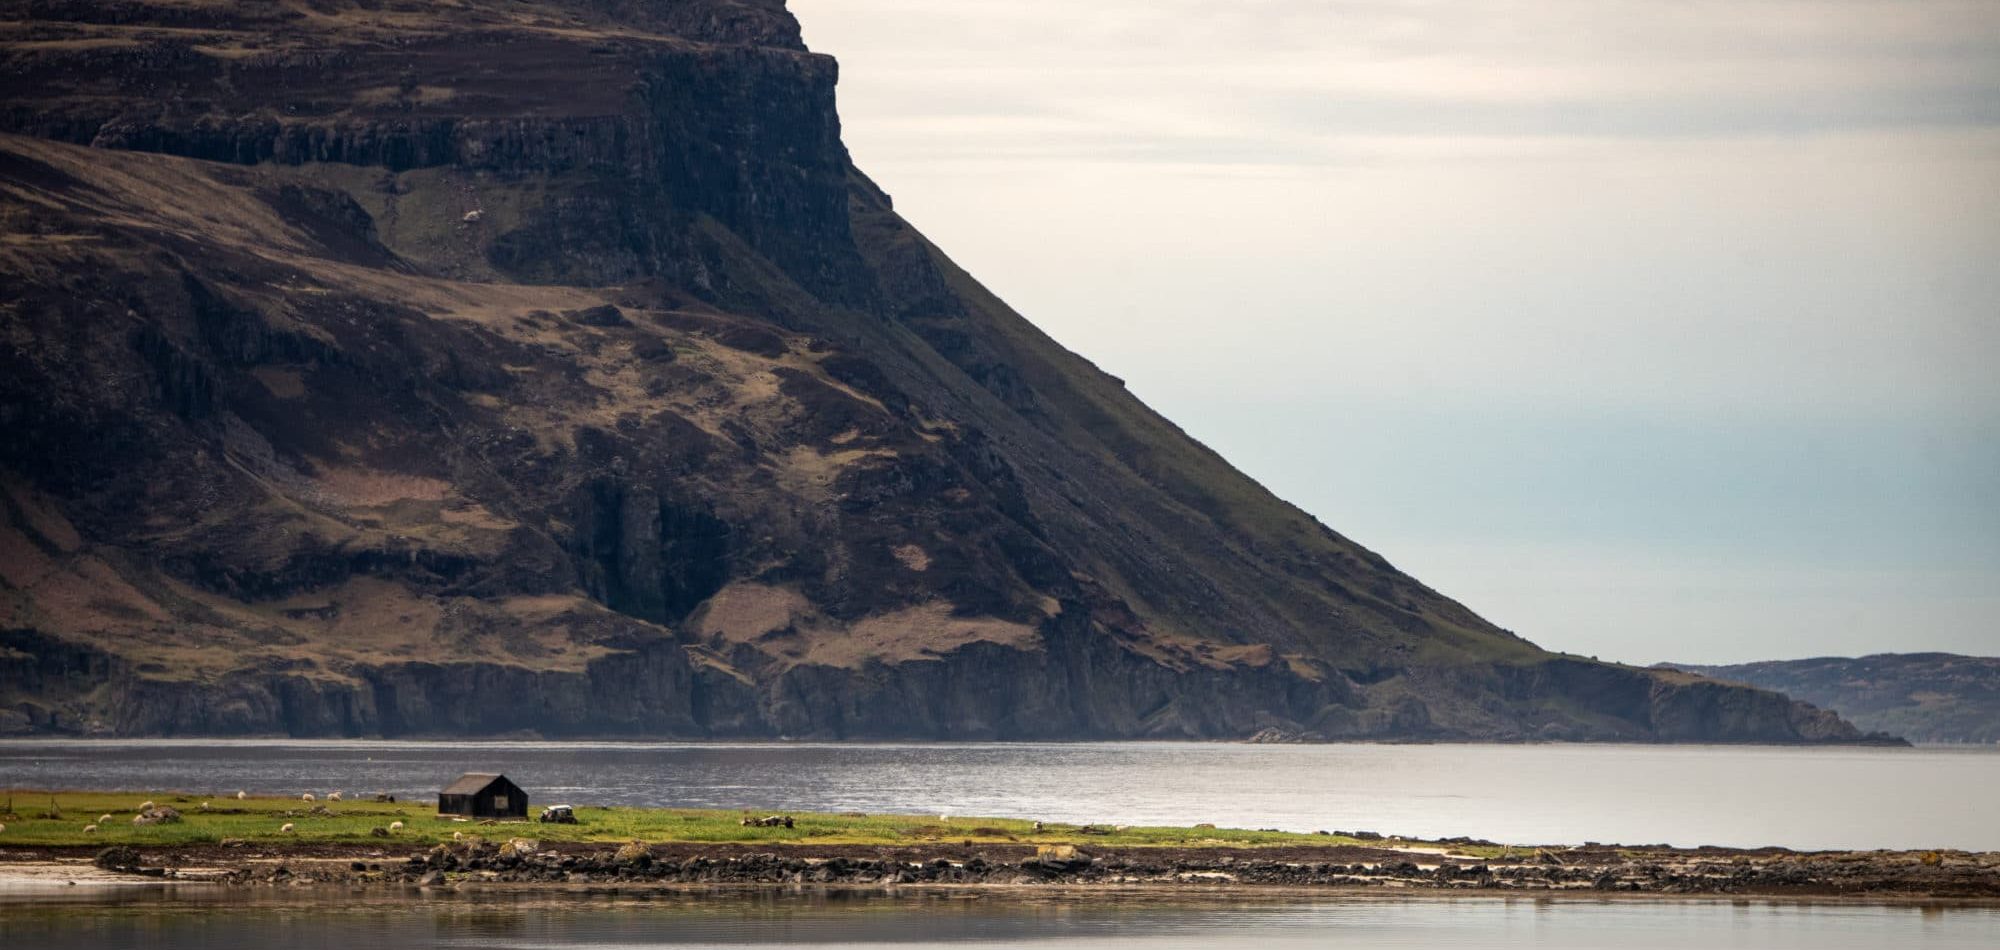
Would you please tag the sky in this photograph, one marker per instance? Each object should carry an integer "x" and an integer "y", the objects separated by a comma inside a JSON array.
[{"x": 1655, "y": 330}]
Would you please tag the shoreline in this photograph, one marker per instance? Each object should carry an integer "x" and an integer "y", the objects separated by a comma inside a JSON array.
[
  {"x": 33, "y": 881},
  {"x": 37, "y": 883},
  {"x": 268, "y": 844},
  {"x": 518, "y": 867}
]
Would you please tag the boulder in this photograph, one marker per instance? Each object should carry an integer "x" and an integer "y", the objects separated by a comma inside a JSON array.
[
  {"x": 157, "y": 815},
  {"x": 1061, "y": 857},
  {"x": 519, "y": 847},
  {"x": 118, "y": 857},
  {"x": 634, "y": 853}
]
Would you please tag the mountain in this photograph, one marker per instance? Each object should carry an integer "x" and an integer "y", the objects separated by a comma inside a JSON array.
[
  {"x": 391, "y": 368},
  {"x": 1923, "y": 697}
]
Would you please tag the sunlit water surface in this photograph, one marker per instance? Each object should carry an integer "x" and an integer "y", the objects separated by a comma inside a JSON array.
[{"x": 1681, "y": 795}]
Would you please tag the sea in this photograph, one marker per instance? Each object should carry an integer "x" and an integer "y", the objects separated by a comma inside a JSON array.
[{"x": 1738, "y": 796}]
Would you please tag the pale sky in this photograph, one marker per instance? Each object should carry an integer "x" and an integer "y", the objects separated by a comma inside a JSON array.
[{"x": 1649, "y": 329}]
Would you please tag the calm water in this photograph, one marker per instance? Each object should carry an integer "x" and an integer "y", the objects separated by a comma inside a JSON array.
[
  {"x": 167, "y": 921},
  {"x": 1681, "y": 795}
]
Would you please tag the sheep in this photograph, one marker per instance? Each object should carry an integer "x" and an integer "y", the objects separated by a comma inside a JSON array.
[
  {"x": 333, "y": 796},
  {"x": 308, "y": 797},
  {"x": 241, "y": 796},
  {"x": 458, "y": 836},
  {"x": 146, "y": 806},
  {"x": 204, "y": 806},
  {"x": 285, "y": 828},
  {"x": 90, "y": 829},
  {"x": 3, "y": 827},
  {"x": 395, "y": 826},
  {"x": 104, "y": 819}
]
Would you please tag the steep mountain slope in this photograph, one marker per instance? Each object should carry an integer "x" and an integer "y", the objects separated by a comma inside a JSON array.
[
  {"x": 1923, "y": 697},
  {"x": 394, "y": 367}
]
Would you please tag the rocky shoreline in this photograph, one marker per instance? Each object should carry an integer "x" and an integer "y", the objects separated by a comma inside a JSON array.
[{"x": 522, "y": 864}]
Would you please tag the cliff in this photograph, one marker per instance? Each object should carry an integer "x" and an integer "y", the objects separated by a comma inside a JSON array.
[
  {"x": 1923, "y": 697},
  {"x": 383, "y": 368}
]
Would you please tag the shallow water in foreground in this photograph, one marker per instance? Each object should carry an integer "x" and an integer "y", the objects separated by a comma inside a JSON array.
[
  {"x": 1739, "y": 796},
  {"x": 169, "y": 919}
]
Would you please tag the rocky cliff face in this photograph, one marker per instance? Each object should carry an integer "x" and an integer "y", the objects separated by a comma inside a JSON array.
[
  {"x": 373, "y": 368},
  {"x": 1923, "y": 697}
]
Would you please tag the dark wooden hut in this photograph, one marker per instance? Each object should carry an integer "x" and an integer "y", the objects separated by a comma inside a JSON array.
[{"x": 483, "y": 795}]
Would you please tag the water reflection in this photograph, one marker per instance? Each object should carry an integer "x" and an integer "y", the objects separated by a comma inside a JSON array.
[{"x": 171, "y": 918}]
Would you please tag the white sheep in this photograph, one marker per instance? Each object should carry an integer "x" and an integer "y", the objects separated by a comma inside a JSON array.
[
  {"x": 333, "y": 796},
  {"x": 3, "y": 827},
  {"x": 285, "y": 828},
  {"x": 90, "y": 829},
  {"x": 104, "y": 819},
  {"x": 458, "y": 836},
  {"x": 308, "y": 797},
  {"x": 241, "y": 796},
  {"x": 204, "y": 806},
  {"x": 395, "y": 826},
  {"x": 145, "y": 806}
]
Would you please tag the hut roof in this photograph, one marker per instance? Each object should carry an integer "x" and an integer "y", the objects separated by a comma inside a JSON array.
[{"x": 471, "y": 783}]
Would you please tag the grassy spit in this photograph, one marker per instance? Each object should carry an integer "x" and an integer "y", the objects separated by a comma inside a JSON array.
[{"x": 59, "y": 818}]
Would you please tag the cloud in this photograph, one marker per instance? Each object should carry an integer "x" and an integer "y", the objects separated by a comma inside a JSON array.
[
  {"x": 1284, "y": 81},
  {"x": 1846, "y": 277},
  {"x": 1627, "y": 321}
]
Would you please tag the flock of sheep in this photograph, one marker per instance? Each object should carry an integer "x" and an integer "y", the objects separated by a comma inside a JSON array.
[{"x": 148, "y": 813}]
